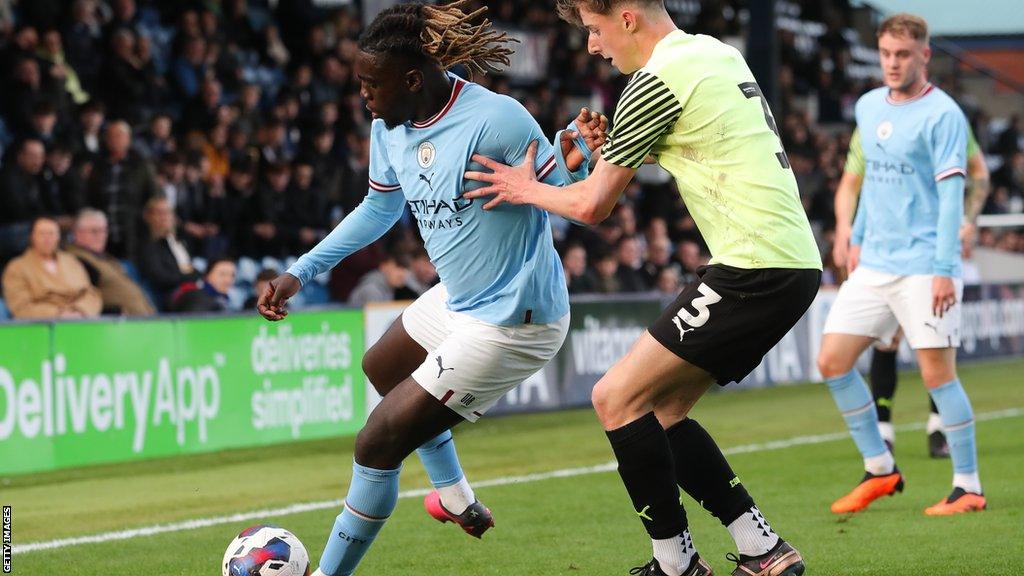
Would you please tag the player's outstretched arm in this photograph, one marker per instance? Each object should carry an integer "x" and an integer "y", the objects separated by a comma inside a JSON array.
[
  {"x": 589, "y": 201},
  {"x": 374, "y": 216}
]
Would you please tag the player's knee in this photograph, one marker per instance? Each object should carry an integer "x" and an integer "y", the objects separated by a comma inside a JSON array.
[
  {"x": 377, "y": 445},
  {"x": 933, "y": 377},
  {"x": 831, "y": 365},
  {"x": 601, "y": 399},
  {"x": 614, "y": 406},
  {"x": 374, "y": 368}
]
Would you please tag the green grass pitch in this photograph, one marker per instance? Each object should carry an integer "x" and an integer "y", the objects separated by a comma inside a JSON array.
[{"x": 576, "y": 525}]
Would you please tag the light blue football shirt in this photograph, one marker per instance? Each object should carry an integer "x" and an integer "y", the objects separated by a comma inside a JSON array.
[
  {"x": 499, "y": 265},
  {"x": 908, "y": 147}
]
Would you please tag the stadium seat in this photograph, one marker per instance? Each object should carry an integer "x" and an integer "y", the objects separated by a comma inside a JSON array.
[
  {"x": 4, "y": 314},
  {"x": 316, "y": 294},
  {"x": 272, "y": 263},
  {"x": 247, "y": 269},
  {"x": 236, "y": 297},
  {"x": 132, "y": 271}
]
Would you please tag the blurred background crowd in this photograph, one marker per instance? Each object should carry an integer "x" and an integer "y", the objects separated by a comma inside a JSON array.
[{"x": 184, "y": 152}]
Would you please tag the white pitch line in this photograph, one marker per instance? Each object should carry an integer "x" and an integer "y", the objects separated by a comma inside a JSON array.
[{"x": 420, "y": 492}]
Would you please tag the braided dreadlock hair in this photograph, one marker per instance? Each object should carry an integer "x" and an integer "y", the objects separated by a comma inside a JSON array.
[{"x": 442, "y": 33}]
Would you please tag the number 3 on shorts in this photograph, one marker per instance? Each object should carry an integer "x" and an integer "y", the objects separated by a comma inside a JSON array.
[{"x": 700, "y": 304}]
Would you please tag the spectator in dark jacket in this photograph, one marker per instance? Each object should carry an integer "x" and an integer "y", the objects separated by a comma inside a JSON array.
[
  {"x": 164, "y": 262},
  {"x": 25, "y": 89},
  {"x": 603, "y": 277},
  {"x": 574, "y": 262},
  {"x": 63, "y": 184},
  {"x": 83, "y": 41},
  {"x": 125, "y": 82},
  {"x": 120, "y": 184},
  {"x": 266, "y": 230},
  {"x": 631, "y": 278},
  {"x": 307, "y": 215},
  {"x": 22, "y": 198},
  {"x": 88, "y": 137},
  {"x": 201, "y": 112}
]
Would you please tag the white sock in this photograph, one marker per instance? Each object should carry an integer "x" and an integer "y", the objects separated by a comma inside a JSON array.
[
  {"x": 752, "y": 533},
  {"x": 880, "y": 465},
  {"x": 674, "y": 554},
  {"x": 887, "y": 431},
  {"x": 457, "y": 497},
  {"x": 969, "y": 482},
  {"x": 934, "y": 423},
  {"x": 318, "y": 573}
]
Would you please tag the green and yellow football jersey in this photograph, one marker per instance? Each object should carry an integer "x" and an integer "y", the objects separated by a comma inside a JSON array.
[{"x": 696, "y": 107}]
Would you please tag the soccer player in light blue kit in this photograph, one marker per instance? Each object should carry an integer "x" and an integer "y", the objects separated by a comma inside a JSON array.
[
  {"x": 905, "y": 251},
  {"x": 501, "y": 310}
]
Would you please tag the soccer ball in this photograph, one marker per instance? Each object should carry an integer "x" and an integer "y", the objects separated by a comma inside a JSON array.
[{"x": 265, "y": 551}]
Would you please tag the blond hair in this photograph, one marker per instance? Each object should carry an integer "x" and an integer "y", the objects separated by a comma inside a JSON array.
[
  {"x": 569, "y": 10},
  {"x": 904, "y": 25}
]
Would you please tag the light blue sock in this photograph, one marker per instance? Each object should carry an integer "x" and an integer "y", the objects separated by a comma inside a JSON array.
[
  {"x": 371, "y": 499},
  {"x": 854, "y": 400},
  {"x": 958, "y": 422},
  {"x": 439, "y": 458}
]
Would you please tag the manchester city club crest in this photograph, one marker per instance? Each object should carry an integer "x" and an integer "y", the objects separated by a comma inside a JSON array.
[
  {"x": 884, "y": 131},
  {"x": 425, "y": 154}
]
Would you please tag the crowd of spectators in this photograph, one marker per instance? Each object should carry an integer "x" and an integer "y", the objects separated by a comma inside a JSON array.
[{"x": 157, "y": 134}]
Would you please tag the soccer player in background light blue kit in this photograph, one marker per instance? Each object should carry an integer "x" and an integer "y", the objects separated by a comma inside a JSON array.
[
  {"x": 501, "y": 310},
  {"x": 905, "y": 252}
]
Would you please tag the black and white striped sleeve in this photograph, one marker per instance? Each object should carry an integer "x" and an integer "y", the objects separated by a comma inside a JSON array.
[{"x": 646, "y": 110}]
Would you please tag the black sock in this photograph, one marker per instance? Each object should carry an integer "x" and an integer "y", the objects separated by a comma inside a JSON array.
[
  {"x": 883, "y": 382},
  {"x": 931, "y": 405},
  {"x": 647, "y": 471},
  {"x": 703, "y": 472}
]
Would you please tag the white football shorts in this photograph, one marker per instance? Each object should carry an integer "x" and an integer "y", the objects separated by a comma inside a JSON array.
[
  {"x": 876, "y": 304},
  {"x": 471, "y": 364}
]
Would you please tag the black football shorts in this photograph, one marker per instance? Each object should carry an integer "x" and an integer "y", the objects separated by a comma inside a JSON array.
[{"x": 727, "y": 320}]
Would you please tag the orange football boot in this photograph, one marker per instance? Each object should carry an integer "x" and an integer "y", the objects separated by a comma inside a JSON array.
[
  {"x": 871, "y": 488},
  {"x": 957, "y": 502}
]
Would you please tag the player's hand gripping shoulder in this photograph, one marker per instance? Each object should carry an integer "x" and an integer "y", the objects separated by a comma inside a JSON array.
[
  {"x": 505, "y": 183},
  {"x": 272, "y": 303}
]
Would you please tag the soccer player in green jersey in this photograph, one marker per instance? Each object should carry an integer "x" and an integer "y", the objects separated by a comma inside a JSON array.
[
  {"x": 693, "y": 106},
  {"x": 883, "y": 357}
]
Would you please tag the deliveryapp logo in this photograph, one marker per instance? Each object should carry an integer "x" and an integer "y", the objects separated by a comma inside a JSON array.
[{"x": 61, "y": 401}]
